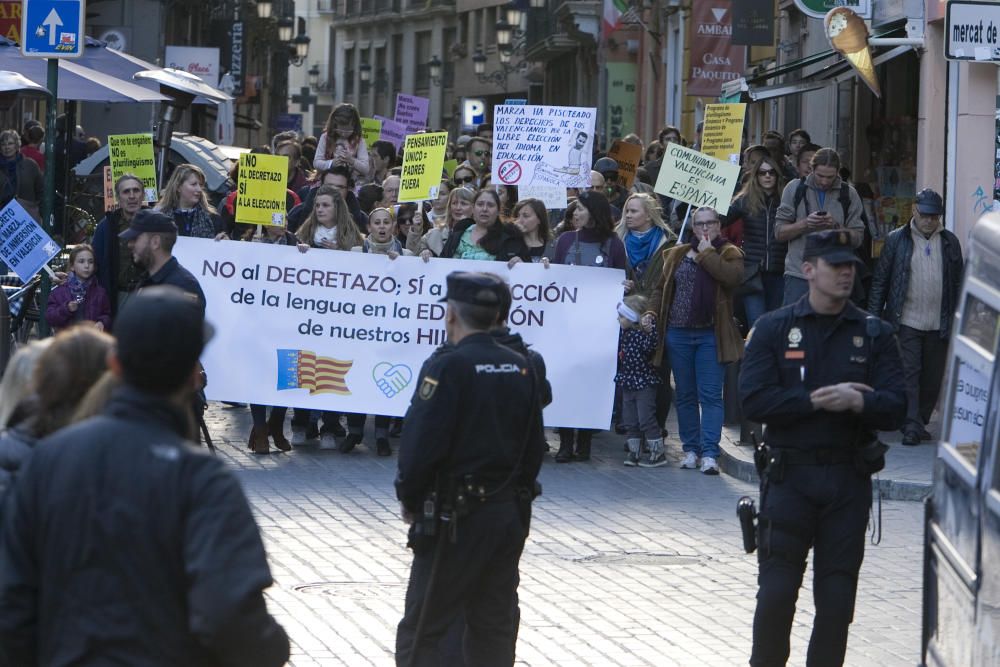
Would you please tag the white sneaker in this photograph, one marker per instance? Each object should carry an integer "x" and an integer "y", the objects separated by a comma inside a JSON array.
[
  {"x": 709, "y": 466},
  {"x": 690, "y": 461},
  {"x": 327, "y": 441}
]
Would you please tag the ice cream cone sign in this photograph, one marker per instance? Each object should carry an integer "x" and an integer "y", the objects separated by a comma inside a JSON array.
[{"x": 848, "y": 35}]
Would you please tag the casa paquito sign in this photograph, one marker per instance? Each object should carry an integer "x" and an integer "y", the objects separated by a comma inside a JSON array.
[{"x": 714, "y": 57}]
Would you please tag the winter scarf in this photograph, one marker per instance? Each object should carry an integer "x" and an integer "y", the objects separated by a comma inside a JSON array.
[
  {"x": 78, "y": 288},
  {"x": 194, "y": 222},
  {"x": 641, "y": 246}
]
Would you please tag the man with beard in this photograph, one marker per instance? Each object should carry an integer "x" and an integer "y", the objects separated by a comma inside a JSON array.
[
  {"x": 151, "y": 237},
  {"x": 115, "y": 271}
]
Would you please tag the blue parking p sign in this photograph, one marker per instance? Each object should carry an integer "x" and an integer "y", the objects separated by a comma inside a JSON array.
[{"x": 52, "y": 28}]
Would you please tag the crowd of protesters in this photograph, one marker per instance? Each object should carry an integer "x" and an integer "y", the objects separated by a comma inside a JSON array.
[{"x": 702, "y": 277}]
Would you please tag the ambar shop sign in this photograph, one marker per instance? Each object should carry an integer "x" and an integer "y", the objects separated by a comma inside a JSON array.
[{"x": 817, "y": 9}]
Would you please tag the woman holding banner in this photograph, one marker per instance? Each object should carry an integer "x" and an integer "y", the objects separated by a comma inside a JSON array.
[
  {"x": 330, "y": 226},
  {"x": 485, "y": 235},
  {"x": 459, "y": 208},
  {"x": 591, "y": 242},
  {"x": 185, "y": 202},
  {"x": 693, "y": 302}
]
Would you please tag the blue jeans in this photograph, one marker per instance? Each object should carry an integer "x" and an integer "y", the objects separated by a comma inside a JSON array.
[
  {"x": 766, "y": 301},
  {"x": 698, "y": 388},
  {"x": 795, "y": 289}
]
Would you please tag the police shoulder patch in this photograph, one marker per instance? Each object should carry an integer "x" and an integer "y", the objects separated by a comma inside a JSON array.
[{"x": 427, "y": 388}]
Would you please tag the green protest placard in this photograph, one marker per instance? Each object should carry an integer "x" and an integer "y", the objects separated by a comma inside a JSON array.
[
  {"x": 133, "y": 154},
  {"x": 697, "y": 179}
]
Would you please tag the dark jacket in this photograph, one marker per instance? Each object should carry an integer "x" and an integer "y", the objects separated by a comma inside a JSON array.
[
  {"x": 30, "y": 183},
  {"x": 759, "y": 245},
  {"x": 505, "y": 337},
  {"x": 172, "y": 273},
  {"x": 892, "y": 277},
  {"x": 508, "y": 241},
  {"x": 123, "y": 545},
  {"x": 473, "y": 413},
  {"x": 298, "y": 214},
  {"x": 96, "y": 307}
]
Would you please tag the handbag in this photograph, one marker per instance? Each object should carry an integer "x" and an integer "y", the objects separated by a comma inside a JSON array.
[{"x": 752, "y": 283}]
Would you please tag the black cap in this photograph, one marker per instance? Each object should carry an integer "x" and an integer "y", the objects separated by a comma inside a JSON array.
[
  {"x": 833, "y": 245},
  {"x": 929, "y": 202},
  {"x": 606, "y": 165},
  {"x": 477, "y": 289},
  {"x": 149, "y": 220},
  {"x": 161, "y": 333}
]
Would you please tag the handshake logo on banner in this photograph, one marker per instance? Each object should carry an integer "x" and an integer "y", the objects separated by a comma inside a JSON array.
[{"x": 391, "y": 378}]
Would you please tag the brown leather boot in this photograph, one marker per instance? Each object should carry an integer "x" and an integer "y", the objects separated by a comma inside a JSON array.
[
  {"x": 258, "y": 441},
  {"x": 274, "y": 429}
]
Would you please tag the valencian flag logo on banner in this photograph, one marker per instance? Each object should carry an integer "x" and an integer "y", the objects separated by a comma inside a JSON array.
[{"x": 301, "y": 369}]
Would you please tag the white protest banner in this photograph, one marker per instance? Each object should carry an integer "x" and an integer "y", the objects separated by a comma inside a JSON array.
[
  {"x": 345, "y": 331},
  {"x": 697, "y": 179},
  {"x": 24, "y": 245},
  {"x": 542, "y": 145}
]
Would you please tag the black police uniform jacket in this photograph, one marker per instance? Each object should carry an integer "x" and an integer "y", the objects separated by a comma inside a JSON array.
[
  {"x": 790, "y": 353},
  {"x": 122, "y": 545},
  {"x": 475, "y": 411}
]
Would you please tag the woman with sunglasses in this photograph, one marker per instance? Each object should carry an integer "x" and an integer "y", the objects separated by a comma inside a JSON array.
[
  {"x": 764, "y": 262},
  {"x": 465, "y": 176},
  {"x": 485, "y": 236},
  {"x": 341, "y": 143},
  {"x": 459, "y": 208},
  {"x": 410, "y": 224},
  {"x": 693, "y": 302}
]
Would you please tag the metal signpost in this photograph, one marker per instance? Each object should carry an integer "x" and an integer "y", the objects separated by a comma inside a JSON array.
[{"x": 51, "y": 29}]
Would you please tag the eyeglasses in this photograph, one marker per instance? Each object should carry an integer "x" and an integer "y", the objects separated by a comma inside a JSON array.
[
  {"x": 404, "y": 221},
  {"x": 479, "y": 153},
  {"x": 766, "y": 172},
  {"x": 467, "y": 179},
  {"x": 705, "y": 223}
]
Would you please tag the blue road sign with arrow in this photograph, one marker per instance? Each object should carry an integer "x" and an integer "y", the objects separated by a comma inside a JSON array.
[{"x": 53, "y": 28}]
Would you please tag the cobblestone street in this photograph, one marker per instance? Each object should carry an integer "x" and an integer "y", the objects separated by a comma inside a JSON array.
[{"x": 624, "y": 566}]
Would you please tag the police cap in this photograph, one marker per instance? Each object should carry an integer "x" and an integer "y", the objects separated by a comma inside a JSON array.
[
  {"x": 477, "y": 289},
  {"x": 832, "y": 245},
  {"x": 149, "y": 220}
]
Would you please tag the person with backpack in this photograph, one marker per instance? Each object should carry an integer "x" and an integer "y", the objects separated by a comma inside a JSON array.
[{"x": 815, "y": 203}]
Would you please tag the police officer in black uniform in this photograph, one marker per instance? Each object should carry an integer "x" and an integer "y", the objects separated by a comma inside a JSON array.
[
  {"x": 824, "y": 376},
  {"x": 471, "y": 450}
]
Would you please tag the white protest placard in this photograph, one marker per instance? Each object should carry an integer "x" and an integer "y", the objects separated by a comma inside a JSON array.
[
  {"x": 697, "y": 179},
  {"x": 553, "y": 196},
  {"x": 24, "y": 245},
  {"x": 542, "y": 145},
  {"x": 346, "y": 331},
  {"x": 971, "y": 402}
]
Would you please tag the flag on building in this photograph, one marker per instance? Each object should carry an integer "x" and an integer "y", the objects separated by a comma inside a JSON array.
[
  {"x": 302, "y": 369},
  {"x": 613, "y": 10}
]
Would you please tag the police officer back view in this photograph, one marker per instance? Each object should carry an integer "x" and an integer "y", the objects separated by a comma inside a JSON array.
[
  {"x": 823, "y": 376},
  {"x": 471, "y": 450}
]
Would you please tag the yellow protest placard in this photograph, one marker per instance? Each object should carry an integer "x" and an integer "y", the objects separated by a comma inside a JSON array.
[
  {"x": 371, "y": 130},
  {"x": 627, "y": 155},
  {"x": 110, "y": 198},
  {"x": 133, "y": 154},
  {"x": 696, "y": 178},
  {"x": 260, "y": 190},
  {"x": 722, "y": 136},
  {"x": 423, "y": 160}
]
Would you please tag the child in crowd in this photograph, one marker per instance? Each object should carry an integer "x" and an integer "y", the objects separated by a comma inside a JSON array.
[
  {"x": 638, "y": 379},
  {"x": 80, "y": 298},
  {"x": 341, "y": 143}
]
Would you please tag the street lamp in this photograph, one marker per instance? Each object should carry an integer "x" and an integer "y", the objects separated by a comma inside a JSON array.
[
  {"x": 538, "y": 4},
  {"x": 503, "y": 53},
  {"x": 301, "y": 52},
  {"x": 286, "y": 25},
  {"x": 504, "y": 30},
  {"x": 479, "y": 62},
  {"x": 366, "y": 72},
  {"x": 264, "y": 9},
  {"x": 514, "y": 14},
  {"x": 313, "y": 76},
  {"x": 498, "y": 77},
  {"x": 434, "y": 68}
]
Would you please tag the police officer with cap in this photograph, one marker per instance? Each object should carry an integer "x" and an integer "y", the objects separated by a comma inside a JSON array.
[
  {"x": 824, "y": 376},
  {"x": 470, "y": 454}
]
